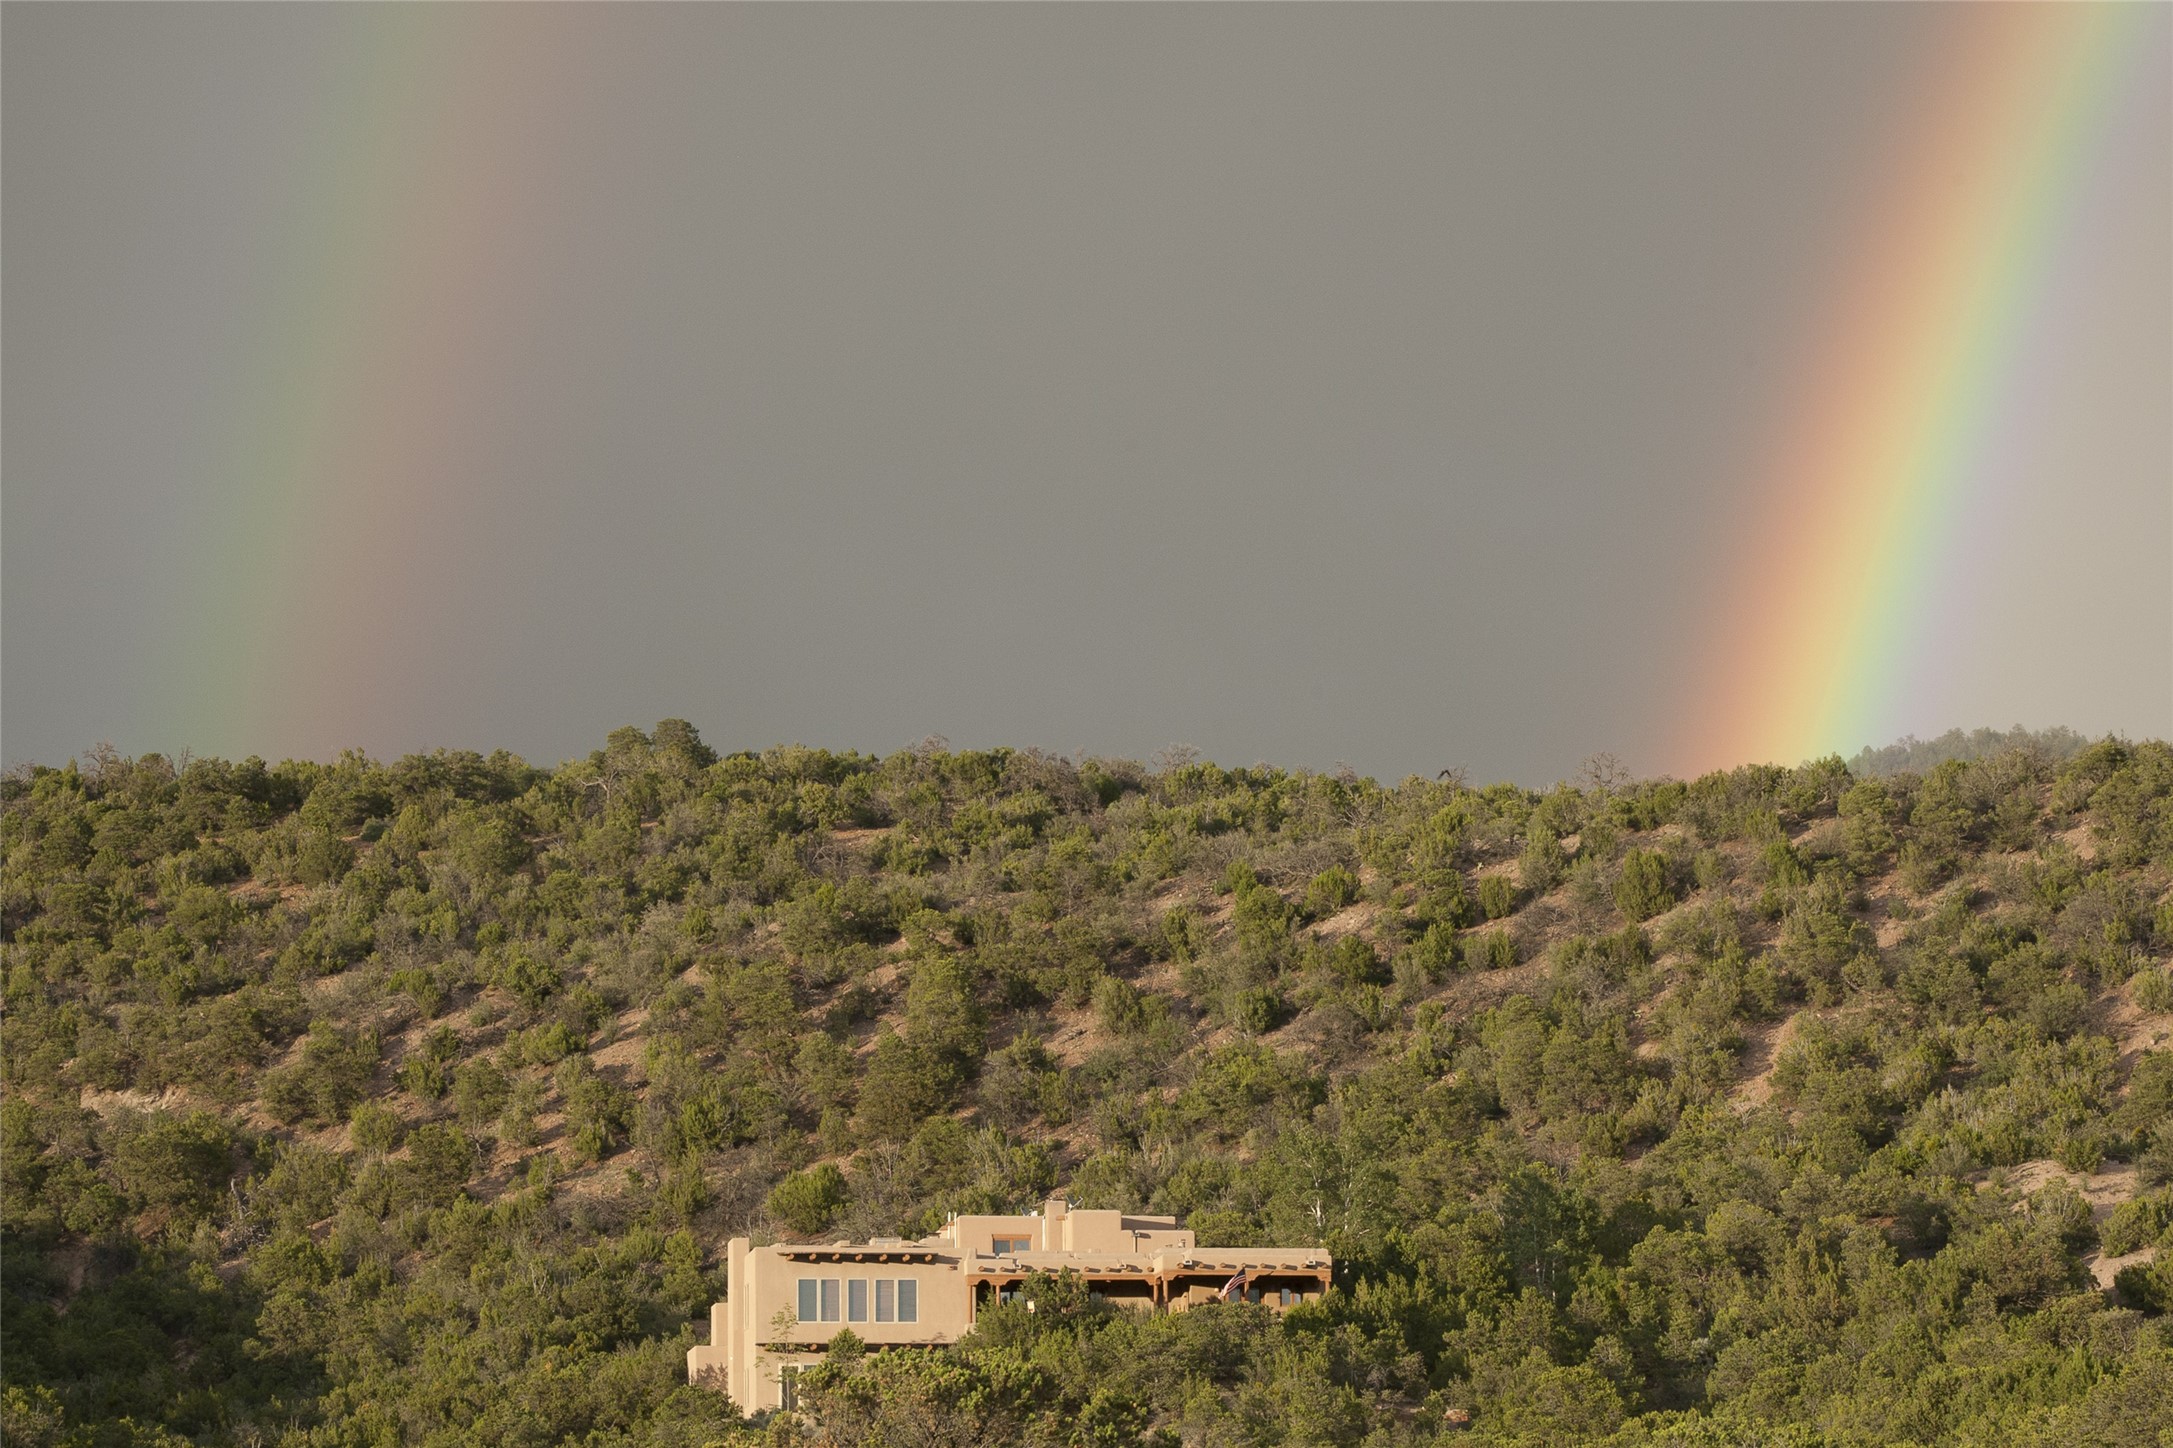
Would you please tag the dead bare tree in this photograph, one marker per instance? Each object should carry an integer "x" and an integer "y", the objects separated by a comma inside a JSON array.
[
  {"x": 1173, "y": 757},
  {"x": 1605, "y": 772}
]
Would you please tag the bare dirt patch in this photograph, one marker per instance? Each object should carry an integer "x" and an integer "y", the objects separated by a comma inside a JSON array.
[
  {"x": 109, "y": 1104},
  {"x": 1469, "y": 994},
  {"x": 595, "y": 1183},
  {"x": 627, "y": 1042},
  {"x": 2135, "y": 1029},
  {"x": 1762, "y": 1047},
  {"x": 2104, "y": 1270},
  {"x": 258, "y": 892},
  {"x": 1072, "y": 1038},
  {"x": 1164, "y": 977},
  {"x": 2103, "y": 1190},
  {"x": 1348, "y": 921},
  {"x": 859, "y": 836}
]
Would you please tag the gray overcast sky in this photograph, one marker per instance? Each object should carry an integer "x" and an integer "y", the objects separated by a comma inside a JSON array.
[{"x": 1371, "y": 384}]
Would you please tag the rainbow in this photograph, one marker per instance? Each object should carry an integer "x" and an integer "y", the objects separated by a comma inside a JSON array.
[
  {"x": 410, "y": 250},
  {"x": 1893, "y": 426},
  {"x": 400, "y": 260}
]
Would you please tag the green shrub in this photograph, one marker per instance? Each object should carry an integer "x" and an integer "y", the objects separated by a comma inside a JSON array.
[
  {"x": 418, "y": 984},
  {"x": 1641, "y": 890},
  {"x": 1259, "y": 1009},
  {"x": 375, "y": 1129},
  {"x": 1184, "y": 935},
  {"x": 1356, "y": 962},
  {"x": 2137, "y": 1224},
  {"x": 546, "y": 1045},
  {"x": 480, "y": 1090},
  {"x": 517, "y": 1123},
  {"x": 1448, "y": 903},
  {"x": 1434, "y": 956},
  {"x": 1490, "y": 950},
  {"x": 2147, "y": 1285},
  {"x": 325, "y": 1084},
  {"x": 424, "y": 1078},
  {"x": 599, "y": 1114},
  {"x": 1119, "y": 1007},
  {"x": 905, "y": 1085},
  {"x": 528, "y": 979},
  {"x": 1330, "y": 891},
  {"x": 440, "y": 1160},
  {"x": 808, "y": 1201},
  {"x": 322, "y": 858},
  {"x": 169, "y": 1162},
  {"x": 1543, "y": 864},
  {"x": 1260, "y": 916}
]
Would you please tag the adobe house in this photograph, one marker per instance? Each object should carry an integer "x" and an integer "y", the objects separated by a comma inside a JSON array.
[{"x": 787, "y": 1301}]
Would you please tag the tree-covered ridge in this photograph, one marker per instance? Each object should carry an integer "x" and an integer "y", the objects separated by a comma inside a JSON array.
[
  {"x": 363, "y": 1103},
  {"x": 1911, "y": 755}
]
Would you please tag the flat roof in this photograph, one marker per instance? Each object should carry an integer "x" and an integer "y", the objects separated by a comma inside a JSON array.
[{"x": 859, "y": 1252}]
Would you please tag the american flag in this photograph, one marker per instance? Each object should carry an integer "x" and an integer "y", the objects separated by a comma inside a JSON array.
[{"x": 1234, "y": 1289}]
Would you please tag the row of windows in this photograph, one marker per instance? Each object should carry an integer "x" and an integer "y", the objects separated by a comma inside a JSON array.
[{"x": 894, "y": 1299}]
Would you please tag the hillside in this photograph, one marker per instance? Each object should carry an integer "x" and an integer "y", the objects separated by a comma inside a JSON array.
[{"x": 409, "y": 1103}]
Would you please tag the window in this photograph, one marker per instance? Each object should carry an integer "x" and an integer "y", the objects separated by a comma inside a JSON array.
[
  {"x": 808, "y": 1308},
  {"x": 886, "y": 1300},
  {"x": 1005, "y": 1246},
  {"x": 909, "y": 1301},
  {"x": 829, "y": 1299},
  {"x": 788, "y": 1387},
  {"x": 856, "y": 1300},
  {"x": 1289, "y": 1296}
]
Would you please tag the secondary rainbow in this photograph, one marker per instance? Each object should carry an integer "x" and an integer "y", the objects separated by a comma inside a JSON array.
[
  {"x": 1892, "y": 433},
  {"x": 397, "y": 269}
]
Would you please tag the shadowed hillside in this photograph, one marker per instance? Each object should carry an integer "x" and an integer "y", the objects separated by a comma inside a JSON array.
[{"x": 411, "y": 1103}]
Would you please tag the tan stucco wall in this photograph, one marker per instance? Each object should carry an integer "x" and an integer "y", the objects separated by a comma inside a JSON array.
[{"x": 1146, "y": 1261}]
